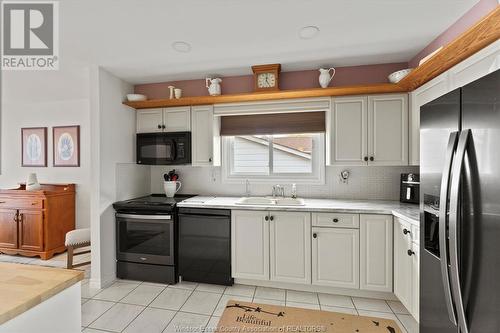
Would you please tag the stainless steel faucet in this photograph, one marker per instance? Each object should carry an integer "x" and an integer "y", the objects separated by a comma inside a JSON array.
[
  {"x": 247, "y": 188},
  {"x": 278, "y": 190}
]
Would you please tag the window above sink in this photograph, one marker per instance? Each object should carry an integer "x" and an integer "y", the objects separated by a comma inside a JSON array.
[{"x": 297, "y": 158}]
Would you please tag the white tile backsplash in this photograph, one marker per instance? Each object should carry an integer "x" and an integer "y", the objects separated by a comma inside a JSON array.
[{"x": 377, "y": 183}]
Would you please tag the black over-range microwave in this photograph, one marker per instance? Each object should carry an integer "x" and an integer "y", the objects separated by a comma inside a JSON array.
[{"x": 164, "y": 148}]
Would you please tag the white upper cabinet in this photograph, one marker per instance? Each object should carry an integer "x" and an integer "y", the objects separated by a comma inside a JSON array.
[
  {"x": 388, "y": 129},
  {"x": 369, "y": 130},
  {"x": 348, "y": 125},
  {"x": 149, "y": 120},
  {"x": 376, "y": 252},
  {"x": 335, "y": 257},
  {"x": 290, "y": 247},
  {"x": 177, "y": 119},
  {"x": 250, "y": 244},
  {"x": 202, "y": 134}
]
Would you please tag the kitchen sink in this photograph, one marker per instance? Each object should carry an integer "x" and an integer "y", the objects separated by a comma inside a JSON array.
[
  {"x": 267, "y": 201},
  {"x": 290, "y": 202}
]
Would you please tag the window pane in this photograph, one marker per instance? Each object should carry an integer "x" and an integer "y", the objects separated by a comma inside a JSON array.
[
  {"x": 251, "y": 154},
  {"x": 292, "y": 153}
]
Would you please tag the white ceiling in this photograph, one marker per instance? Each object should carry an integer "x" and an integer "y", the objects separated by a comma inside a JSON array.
[{"x": 132, "y": 38}]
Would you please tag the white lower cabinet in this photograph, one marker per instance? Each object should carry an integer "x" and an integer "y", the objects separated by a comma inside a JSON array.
[
  {"x": 406, "y": 266},
  {"x": 335, "y": 257},
  {"x": 402, "y": 262},
  {"x": 415, "y": 288},
  {"x": 290, "y": 247},
  {"x": 250, "y": 244},
  {"x": 376, "y": 252}
]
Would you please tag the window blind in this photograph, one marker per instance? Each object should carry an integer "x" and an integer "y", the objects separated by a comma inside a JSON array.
[{"x": 275, "y": 123}]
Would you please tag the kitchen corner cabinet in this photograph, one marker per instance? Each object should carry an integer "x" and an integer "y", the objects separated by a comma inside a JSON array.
[
  {"x": 406, "y": 265},
  {"x": 250, "y": 244},
  {"x": 174, "y": 119},
  {"x": 202, "y": 134},
  {"x": 369, "y": 130},
  {"x": 290, "y": 247},
  {"x": 35, "y": 223},
  {"x": 376, "y": 251}
]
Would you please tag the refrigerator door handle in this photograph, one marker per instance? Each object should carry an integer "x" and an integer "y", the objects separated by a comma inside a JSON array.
[
  {"x": 443, "y": 219},
  {"x": 457, "y": 168}
]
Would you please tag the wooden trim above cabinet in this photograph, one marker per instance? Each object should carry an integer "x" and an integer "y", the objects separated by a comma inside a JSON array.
[
  {"x": 480, "y": 35},
  {"x": 379, "y": 88}
]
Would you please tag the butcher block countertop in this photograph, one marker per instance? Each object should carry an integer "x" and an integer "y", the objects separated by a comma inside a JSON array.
[{"x": 24, "y": 286}]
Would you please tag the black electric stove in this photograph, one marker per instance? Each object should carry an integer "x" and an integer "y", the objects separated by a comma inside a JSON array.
[
  {"x": 147, "y": 237},
  {"x": 154, "y": 203}
]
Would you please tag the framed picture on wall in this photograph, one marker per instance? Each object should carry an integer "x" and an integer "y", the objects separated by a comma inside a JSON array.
[
  {"x": 66, "y": 146},
  {"x": 34, "y": 147}
]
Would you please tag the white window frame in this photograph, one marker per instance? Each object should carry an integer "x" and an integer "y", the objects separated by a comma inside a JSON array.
[{"x": 316, "y": 177}]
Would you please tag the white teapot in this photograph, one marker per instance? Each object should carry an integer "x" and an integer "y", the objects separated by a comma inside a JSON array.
[
  {"x": 325, "y": 77},
  {"x": 214, "y": 87}
]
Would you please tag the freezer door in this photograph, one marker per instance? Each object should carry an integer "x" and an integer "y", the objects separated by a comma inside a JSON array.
[
  {"x": 439, "y": 126},
  {"x": 479, "y": 229}
]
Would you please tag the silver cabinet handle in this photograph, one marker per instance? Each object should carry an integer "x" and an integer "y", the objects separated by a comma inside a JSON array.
[
  {"x": 453, "y": 228},
  {"x": 443, "y": 217}
]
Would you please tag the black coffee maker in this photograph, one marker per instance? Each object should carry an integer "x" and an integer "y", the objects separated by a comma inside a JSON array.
[{"x": 410, "y": 188}]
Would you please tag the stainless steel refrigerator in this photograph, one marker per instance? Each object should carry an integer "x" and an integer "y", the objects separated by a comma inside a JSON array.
[{"x": 460, "y": 210}]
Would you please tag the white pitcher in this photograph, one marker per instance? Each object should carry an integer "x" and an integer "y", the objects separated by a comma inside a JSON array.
[
  {"x": 325, "y": 77},
  {"x": 214, "y": 87},
  {"x": 171, "y": 187}
]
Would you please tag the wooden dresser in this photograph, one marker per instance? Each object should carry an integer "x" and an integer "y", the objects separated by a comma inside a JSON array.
[{"x": 35, "y": 223}]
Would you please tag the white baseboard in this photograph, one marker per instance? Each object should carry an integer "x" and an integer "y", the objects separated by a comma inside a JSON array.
[{"x": 320, "y": 289}]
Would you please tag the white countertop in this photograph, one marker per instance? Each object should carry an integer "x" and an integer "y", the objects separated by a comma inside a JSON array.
[{"x": 408, "y": 212}]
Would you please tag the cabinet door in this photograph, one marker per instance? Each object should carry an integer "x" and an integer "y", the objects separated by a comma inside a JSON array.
[
  {"x": 290, "y": 247},
  {"x": 388, "y": 129},
  {"x": 250, "y": 245},
  {"x": 403, "y": 270},
  {"x": 202, "y": 134},
  {"x": 415, "y": 308},
  {"x": 8, "y": 228},
  {"x": 31, "y": 230},
  {"x": 149, "y": 120},
  {"x": 348, "y": 130},
  {"x": 335, "y": 257},
  {"x": 177, "y": 119},
  {"x": 376, "y": 252}
]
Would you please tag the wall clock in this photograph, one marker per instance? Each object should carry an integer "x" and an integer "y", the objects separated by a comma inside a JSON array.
[{"x": 266, "y": 77}]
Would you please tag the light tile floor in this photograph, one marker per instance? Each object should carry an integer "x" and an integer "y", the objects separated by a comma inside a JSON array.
[{"x": 134, "y": 306}]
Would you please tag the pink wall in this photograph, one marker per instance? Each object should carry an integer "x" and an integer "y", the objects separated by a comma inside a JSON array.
[
  {"x": 289, "y": 80},
  {"x": 476, "y": 13}
]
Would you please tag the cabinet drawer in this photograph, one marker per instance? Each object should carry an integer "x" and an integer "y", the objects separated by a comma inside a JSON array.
[
  {"x": 335, "y": 220},
  {"x": 19, "y": 203}
]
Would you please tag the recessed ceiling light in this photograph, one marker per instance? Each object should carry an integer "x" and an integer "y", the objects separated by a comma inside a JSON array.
[
  {"x": 308, "y": 32},
  {"x": 181, "y": 46}
]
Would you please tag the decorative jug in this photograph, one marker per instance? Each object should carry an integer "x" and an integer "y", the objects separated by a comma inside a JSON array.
[
  {"x": 325, "y": 77},
  {"x": 214, "y": 87}
]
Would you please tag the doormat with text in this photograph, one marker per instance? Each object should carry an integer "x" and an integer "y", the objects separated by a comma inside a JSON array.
[{"x": 253, "y": 317}]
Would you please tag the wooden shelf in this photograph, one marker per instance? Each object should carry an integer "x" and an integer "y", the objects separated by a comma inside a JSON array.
[
  {"x": 379, "y": 88},
  {"x": 476, "y": 38}
]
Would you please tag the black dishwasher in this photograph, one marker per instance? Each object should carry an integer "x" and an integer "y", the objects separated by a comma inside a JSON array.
[{"x": 205, "y": 245}]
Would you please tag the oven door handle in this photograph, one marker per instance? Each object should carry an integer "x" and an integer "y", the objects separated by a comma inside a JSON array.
[
  {"x": 443, "y": 223},
  {"x": 144, "y": 217}
]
